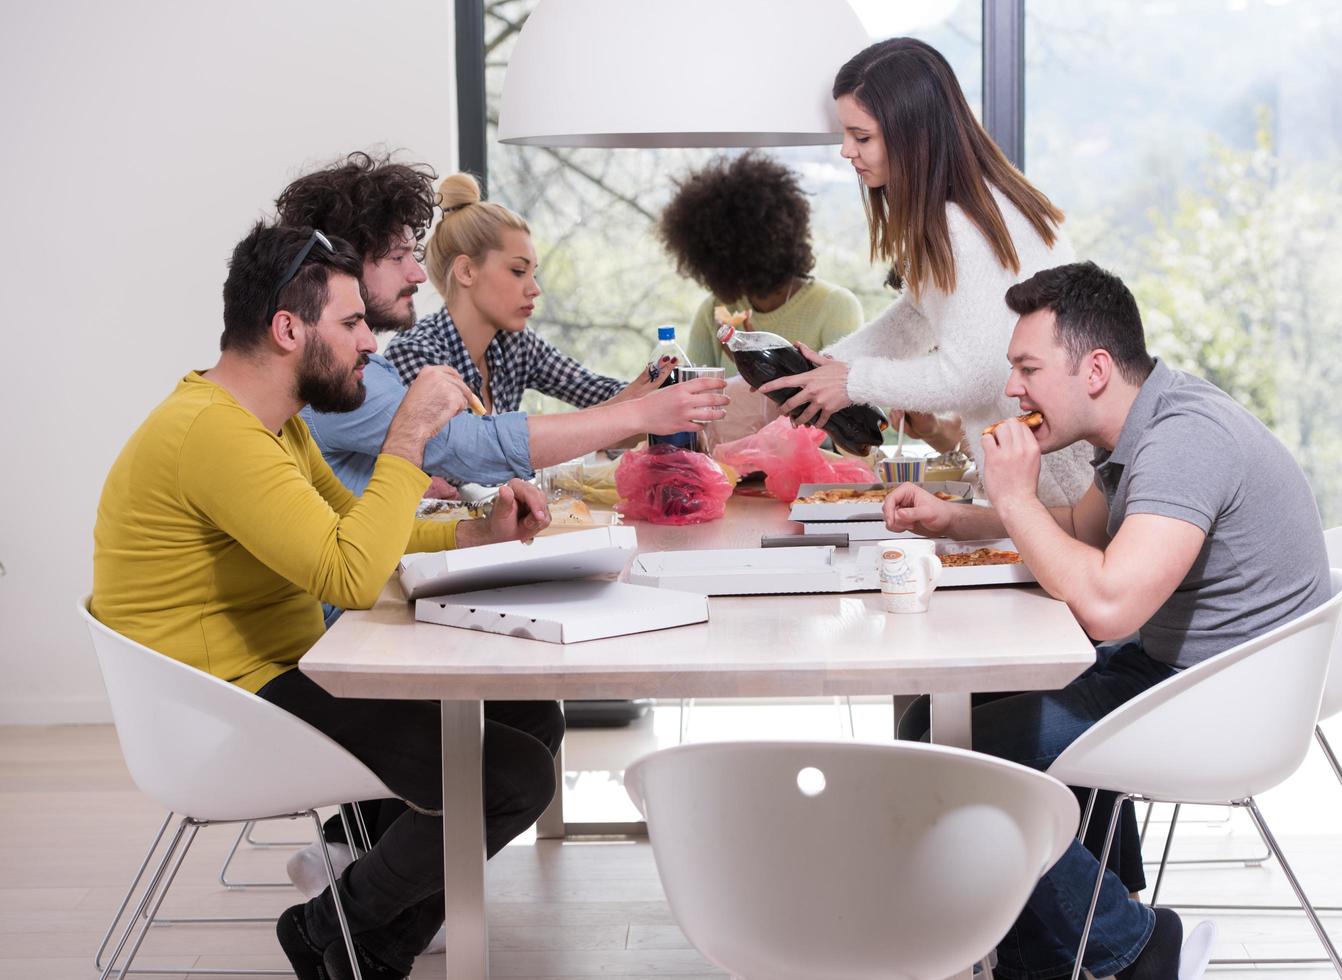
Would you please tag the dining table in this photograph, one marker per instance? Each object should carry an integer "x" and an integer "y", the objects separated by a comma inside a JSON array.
[{"x": 971, "y": 640}]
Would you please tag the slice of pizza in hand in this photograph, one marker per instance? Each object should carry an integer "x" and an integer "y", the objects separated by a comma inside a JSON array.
[
  {"x": 1032, "y": 420},
  {"x": 725, "y": 316}
]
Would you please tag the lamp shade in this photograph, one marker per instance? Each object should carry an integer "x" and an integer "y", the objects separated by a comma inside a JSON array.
[{"x": 650, "y": 73}]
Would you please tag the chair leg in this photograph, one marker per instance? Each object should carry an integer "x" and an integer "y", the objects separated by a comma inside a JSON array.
[
  {"x": 335, "y": 897},
  {"x": 1165, "y": 854},
  {"x": 1328, "y": 752},
  {"x": 244, "y": 833},
  {"x": 134, "y": 883},
  {"x": 1099, "y": 880},
  {"x": 1275, "y": 848},
  {"x": 172, "y": 856},
  {"x": 1085, "y": 818},
  {"x": 251, "y": 841},
  {"x": 686, "y": 706},
  {"x": 1146, "y": 822},
  {"x": 366, "y": 842}
]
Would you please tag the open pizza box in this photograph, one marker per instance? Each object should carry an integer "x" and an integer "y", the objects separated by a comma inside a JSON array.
[
  {"x": 956, "y": 576},
  {"x": 577, "y": 554},
  {"x": 758, "y": 571},
  {"x": 801, "y": 570},
  {"x": 862, "y": 510}
]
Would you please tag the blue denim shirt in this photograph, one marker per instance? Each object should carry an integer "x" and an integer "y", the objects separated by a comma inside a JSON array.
[{"x": 469, "y": 449}]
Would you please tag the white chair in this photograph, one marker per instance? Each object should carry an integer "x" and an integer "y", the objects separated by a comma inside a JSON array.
[
  {"x": 210, "y": 752},
  {"x": 1208, "y": 735},
  {"x": 847, "y": 860}
]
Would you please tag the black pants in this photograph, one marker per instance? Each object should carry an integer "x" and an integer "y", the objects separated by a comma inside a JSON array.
[{"x": 393, "y": 896}]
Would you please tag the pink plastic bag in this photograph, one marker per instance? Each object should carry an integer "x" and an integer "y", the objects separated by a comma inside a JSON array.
[
  {"x": 666, "y": 485},
  {"x": 788, "y": 458}
]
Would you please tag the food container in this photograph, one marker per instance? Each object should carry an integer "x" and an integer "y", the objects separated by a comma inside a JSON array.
[{"x": 860, "y": 510}]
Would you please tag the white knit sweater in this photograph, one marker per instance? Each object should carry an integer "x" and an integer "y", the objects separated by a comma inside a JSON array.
[{"x": 946, "y": 352}]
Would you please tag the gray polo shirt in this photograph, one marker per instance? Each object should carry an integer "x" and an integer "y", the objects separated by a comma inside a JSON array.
[{"x": 1189, "y": 451}]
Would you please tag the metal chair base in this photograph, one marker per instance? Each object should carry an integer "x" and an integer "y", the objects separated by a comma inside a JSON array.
[
  {"x": 146, "y": 913},
  {"x": 1249, "y": 805}
]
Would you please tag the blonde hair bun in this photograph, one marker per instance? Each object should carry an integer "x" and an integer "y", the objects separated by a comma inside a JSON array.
[
  {"x": 457, "y": 191},
  {"x": 469, "y": 226}
]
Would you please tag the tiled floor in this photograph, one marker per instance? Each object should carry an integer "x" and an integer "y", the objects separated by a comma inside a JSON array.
[{"x": 74, "y": 829}]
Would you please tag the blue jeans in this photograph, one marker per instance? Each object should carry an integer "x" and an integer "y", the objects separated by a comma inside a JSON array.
[{"x": 1033, "y": 729}]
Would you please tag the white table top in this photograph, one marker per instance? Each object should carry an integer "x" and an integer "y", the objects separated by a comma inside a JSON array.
[{"x": 982, "y": 639}]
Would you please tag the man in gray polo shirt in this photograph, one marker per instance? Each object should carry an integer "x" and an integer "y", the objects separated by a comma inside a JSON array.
[{"x": 1199, "y": 533}]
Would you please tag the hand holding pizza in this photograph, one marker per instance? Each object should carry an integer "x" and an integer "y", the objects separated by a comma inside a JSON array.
[{"x": 1010, "y": 462}]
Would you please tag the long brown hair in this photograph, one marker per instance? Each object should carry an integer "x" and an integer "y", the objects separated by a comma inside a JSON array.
[{"x": 937, "y": 153}]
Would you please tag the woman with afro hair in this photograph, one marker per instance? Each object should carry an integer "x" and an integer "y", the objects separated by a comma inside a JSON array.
[{"x": 741, "y": 228}]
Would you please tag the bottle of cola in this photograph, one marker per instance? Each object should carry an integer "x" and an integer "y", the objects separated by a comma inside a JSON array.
[{"x": 761, "y": 357}]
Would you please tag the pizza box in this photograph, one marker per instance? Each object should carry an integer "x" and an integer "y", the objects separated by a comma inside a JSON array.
[
  {"x": 565, "y": 612},
  {"x": 757, "y": 571},
  {"x": 577, "y": 554},
  {"x": 861, "y": 510},
  {"x": 980, "y": 574},
  {"x": 856, "y": 530}
]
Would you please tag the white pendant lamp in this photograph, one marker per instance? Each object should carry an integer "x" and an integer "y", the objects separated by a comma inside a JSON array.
[{"x": 650, "y": 73}]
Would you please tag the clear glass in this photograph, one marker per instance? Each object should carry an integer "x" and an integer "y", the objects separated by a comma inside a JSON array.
[{"x": 1196, "y": 147}]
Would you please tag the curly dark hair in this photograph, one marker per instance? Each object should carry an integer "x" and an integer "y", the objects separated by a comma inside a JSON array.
[
  {"x": 739, "y": 227},
  {"x": 366, "y": 200}
]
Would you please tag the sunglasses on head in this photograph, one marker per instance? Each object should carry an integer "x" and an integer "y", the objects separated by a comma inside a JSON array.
[{"x": 317, "y": 238}]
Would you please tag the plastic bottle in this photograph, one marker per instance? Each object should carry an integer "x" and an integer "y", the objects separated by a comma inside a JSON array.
[
  {"x": 667, "y": 347},
  {"x": 761, "y": 357}
]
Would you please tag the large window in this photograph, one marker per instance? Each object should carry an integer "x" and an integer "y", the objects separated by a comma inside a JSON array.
[
  {"x": 1196, "y": 147},
  {"x": 607, "y": 281}
]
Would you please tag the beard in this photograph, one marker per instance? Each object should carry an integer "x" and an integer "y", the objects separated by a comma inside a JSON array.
[
  {"x": 323, "y": 384},
  {"x": 382, "y": 318}
]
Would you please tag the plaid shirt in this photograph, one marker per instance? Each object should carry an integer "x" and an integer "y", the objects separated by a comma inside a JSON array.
[{"x": 516, "y": 362}]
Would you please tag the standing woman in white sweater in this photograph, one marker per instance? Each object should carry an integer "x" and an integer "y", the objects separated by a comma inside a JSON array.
[{"x": 958, "y": 225}]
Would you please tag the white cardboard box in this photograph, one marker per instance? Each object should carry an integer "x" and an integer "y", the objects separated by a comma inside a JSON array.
[
  {"x": 757, "y": 571},
  {"x": 856, "y": 530},
  {"x": 576, "y": 554},
  {"x": 859, "y": 510},
  {"x": 980, "y": 574},
  {"x": 566, "y": 612}
]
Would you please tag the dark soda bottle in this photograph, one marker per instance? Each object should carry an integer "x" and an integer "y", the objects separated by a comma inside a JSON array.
[{"x": 761, "y": 357}]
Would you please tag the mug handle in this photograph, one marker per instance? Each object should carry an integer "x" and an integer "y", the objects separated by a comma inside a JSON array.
[{"x": 934, "y": 567}]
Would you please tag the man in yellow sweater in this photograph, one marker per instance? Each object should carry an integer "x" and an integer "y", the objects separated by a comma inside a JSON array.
[{"x": 221, "y": 530}]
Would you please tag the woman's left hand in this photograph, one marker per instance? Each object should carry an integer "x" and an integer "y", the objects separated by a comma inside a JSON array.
[
  {"x": 822, "y": 392},
  {"x": 646, "y": 381}
]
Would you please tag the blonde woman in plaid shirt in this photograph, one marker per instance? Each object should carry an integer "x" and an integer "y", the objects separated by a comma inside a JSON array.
[{"x": 481, "y": 260}]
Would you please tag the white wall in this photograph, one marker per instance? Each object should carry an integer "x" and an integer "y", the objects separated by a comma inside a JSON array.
[{"x": 140, "y": 140}]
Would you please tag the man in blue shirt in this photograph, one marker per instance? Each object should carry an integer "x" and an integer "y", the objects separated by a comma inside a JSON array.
[{"x": 384, "y": 209}]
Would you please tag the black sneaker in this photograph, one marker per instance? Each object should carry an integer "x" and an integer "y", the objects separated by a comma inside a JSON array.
[
  {"x": 336, "y": 962},
  {"x": 304, "y": 955}
]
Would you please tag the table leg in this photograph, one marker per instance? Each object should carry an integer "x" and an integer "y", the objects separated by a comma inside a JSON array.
[
  {"x": 950, "y": 720},
  {"x": 550, "y": 826},
  {"x": 464, "y": 840}
]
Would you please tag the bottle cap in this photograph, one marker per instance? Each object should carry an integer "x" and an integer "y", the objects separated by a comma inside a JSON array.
[
  {"x": 725, "y": 332},
  {"x": 666, "y": 333}
]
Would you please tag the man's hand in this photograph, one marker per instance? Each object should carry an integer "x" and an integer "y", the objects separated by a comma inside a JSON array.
[
  {"x": 520, "y": 513},
  {"x": 440, "y": 489},
  {"x": 1010, "y": 465},
  {"x": 909, "y": 507},
  {"x": 436, "y": 396},
  {"x": 822, "y": 392},
  {"x": 683, "y": 407}
]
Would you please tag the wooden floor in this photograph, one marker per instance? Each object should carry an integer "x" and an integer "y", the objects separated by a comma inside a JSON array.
[{"x": 74, "y": 830}]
